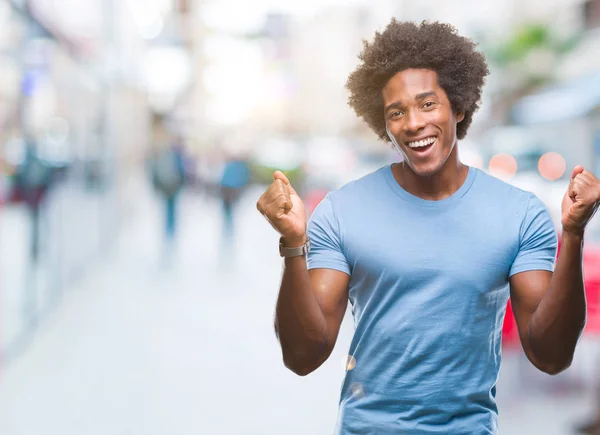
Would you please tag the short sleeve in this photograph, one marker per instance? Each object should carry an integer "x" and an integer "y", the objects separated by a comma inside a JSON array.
[
  {"x": 538, "y": 240},
  {"x": 325, "y": 241}
]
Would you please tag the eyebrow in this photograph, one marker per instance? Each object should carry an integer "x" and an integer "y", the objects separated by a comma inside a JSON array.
[
  {"x": 418, "y": 97},
  {"x": 424, "y": 95}
]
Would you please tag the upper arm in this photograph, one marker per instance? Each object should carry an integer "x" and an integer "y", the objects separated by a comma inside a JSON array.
[
  {"x": 328, "y": 266},
  {"x": 531, "y": 271},
  {"x": 331, "y": 291},
  {"x": 526, "y": 292}
]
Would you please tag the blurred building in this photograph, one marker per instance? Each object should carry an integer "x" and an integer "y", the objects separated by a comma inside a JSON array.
[
  {"x": 77, "y": 88},
  {"x": 323, "y": 51}
]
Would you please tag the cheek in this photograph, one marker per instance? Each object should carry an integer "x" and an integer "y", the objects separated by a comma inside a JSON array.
[
  {"x": 449, "y": 126},
  {"x": 393, "y": 130}
]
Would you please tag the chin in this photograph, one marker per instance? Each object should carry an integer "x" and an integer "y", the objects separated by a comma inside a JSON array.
[{"x": 425, "y": 170}]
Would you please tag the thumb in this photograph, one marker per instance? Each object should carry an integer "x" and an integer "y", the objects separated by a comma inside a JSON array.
[
  {"x": 278, "y": 175},
  {"x": 576, "y": 171}
]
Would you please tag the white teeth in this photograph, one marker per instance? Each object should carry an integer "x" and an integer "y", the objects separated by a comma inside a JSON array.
[{"x": 422, "y": 143}]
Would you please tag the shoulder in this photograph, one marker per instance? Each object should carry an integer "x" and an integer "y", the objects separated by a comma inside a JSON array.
[
  {"x": 501, "y": 192},
  {"x": 494, "y": 184},
  {"x": 509, "y": 201}
]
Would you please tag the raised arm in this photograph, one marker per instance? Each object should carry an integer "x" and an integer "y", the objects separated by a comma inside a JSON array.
[
  {"x": 311, "y": 304},
  {"x": 550, "y": 308}
]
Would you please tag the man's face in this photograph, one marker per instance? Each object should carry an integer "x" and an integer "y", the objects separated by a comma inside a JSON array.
[{"x": 420, "y": 120}]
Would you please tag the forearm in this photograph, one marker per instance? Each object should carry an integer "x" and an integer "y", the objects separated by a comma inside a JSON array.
[
  {"x": 558, "y": 321},
  {"x": 300, "y": 323}
]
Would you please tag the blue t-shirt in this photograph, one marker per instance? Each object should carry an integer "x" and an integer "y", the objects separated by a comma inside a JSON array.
[{"x": 428, "y": 288}]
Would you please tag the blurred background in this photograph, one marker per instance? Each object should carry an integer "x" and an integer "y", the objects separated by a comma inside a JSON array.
[{"x": 137, "y": 279}]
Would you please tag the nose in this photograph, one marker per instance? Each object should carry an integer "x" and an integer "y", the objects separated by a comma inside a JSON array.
[{"x": 414, "y": 121}]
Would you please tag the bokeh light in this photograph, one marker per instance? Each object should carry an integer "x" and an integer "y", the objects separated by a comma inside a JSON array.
[
  {"x": 357, "y": 390},
  {"x": 350, "y": 363},
  {"x": 503, "y": 166},
  {"x": 552, "y": 166}
]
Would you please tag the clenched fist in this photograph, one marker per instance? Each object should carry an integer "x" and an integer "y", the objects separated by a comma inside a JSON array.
[
  {"x": 283, "y": 208},
  {"x": 581, "y": 201}
]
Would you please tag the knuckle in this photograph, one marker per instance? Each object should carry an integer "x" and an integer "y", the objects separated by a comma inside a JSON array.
[
  {"x": 276, "y": 189},
  {"x": 281, "y": 197},
  {"x": 270, "y": 214}
]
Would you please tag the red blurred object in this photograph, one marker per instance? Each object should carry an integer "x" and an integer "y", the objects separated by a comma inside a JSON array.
[
  {"x": 591, "y": 277},
  {"x": 591, "y": 274},
  {"x": 510, "y": 333},
  {"x": 313, "y": 198}
]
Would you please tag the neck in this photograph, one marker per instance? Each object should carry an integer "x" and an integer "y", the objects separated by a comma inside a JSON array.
[{"x": 435, "y": 187}]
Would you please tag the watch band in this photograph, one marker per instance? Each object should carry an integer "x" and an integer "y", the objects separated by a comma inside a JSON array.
[{"x": 294, "y": 252}]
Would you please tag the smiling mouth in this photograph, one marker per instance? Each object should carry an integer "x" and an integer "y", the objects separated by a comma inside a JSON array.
[{"x": 422, "y": 145}]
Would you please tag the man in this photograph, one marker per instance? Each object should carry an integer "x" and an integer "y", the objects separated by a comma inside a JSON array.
[
  {"x": 34, "y": 179},
  {"x": 234, "y": 179},
  {"x": 168, "y": 177},
  {"x": 426, "y": 251}
]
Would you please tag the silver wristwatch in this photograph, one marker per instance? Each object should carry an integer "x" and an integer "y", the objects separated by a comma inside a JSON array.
[{"x": 294, "y": 252}]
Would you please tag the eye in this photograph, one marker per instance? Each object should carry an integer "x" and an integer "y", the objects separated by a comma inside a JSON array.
[
  {"x": 396, "y": 114},
  {"x": 428, "y": 104}
]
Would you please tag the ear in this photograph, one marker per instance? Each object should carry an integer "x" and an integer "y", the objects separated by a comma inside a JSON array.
[{"x": 460, "y": 117}]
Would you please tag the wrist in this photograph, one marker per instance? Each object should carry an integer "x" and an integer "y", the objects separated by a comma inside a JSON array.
[
  {"x": 294, "y": 241},
  {"x": 572, "y": 236}
]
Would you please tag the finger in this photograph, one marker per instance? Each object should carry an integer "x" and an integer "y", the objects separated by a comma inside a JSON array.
[
  {"x": 278, "y": 208},
  {"x": 584, "y": 186},
  {"x": 279, "y": 203},
  {"x": 579, "y": 179},
  {"x": 278, "y": 175},
  {"x": 582, "y": 183},
  {"x": 578, "y": 190},
  {"x": 576, "y": 171},
  {"x": 285, "y": 203},
  {"x": 587, "y": 176},
  {"x": 276, "y": 189},
  {"x": 571, "y": 190}
]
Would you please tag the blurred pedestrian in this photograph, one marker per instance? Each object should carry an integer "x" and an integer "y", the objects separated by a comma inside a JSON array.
[
  {"x": 234, "y": 179},
  {"x": 168, "y": 178},
  {"x": 33, "y": 180},
  {"x": 427, "y": 250}
]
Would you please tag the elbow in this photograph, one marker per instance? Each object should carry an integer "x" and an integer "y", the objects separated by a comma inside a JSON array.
[
  {"x": 304, "y": 357},
  {"x": 300, "y": 370},
  {"x": 298, "y": 367},
  {"x": 304, "y": 362},
  {"x": 555, "y": 367},
  {"x": 553, "y": 358}
]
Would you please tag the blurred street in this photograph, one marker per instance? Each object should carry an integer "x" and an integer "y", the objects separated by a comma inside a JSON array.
[
  {"x": 138, "y": 282},
  {"x": 140, "y": 347}
]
